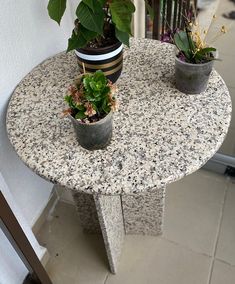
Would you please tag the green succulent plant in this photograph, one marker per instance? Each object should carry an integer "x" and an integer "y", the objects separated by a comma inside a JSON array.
[{"x": 91, "y": 97}]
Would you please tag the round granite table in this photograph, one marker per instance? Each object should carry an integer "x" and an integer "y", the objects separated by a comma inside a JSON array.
[{"x": 160, "y": 135}]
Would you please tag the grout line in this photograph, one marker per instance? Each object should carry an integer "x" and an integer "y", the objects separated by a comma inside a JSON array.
[
  {"x": 185, "y": 247},
  {"x": 217, "y": 235},
  {"x": 225, "y": 262},
  {"x": 106, "y": 278}
]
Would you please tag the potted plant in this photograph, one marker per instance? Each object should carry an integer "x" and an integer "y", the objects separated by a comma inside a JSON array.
[
  {"x": 194, "y": 58},
  {"x": 101, "y": 29},
  {"x": 91, "y": 104}
]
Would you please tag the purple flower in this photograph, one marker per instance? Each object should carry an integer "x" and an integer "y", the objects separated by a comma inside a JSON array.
[
  {"x": 169, "y": 36},
  {"x": 181, "y": 56}
]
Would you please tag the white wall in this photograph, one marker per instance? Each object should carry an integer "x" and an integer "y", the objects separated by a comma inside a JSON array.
[{"x": 27, "y": 37}]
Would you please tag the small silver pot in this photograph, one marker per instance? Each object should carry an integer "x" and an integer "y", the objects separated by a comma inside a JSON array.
[
  {"x": 95, "y": 135},
  {"x": 192, "y": 78}
]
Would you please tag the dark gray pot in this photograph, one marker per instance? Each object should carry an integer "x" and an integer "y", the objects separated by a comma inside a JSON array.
[
  {"x": 96, "y": 135},
  {"x": 192, "y": 78}
]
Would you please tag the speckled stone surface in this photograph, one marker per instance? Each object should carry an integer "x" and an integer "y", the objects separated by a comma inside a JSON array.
[
  {"x": 144, "y": 213},
  {"x": 109, "y": 211},
  {"x": 160, "y": 135},
  {"x": 87, "y": 212}
]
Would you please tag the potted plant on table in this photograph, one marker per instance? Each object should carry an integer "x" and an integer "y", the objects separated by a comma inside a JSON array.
[
  {"x": 91, "y": 104},
  {"x": 101, "y": 29},
  {"x": 194, "y": 59}
]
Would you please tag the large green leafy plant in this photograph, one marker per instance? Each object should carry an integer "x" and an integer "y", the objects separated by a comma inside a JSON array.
[
  {"x": 98, "y": 21},
  {"x": 91, "y": 97}
]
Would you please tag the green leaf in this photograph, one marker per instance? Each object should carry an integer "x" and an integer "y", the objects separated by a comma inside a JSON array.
[
  {"x": 80, "y": 115},
  {"x": 90, "y": 4},
  {"x": 69, "y": 101},
  {"x": 99, "y": 76},
  {"x": 56, "y": 9},
  {"x": 121, "y": 11},
  {"x": 207, "y": 50},
  {"x": 80, "y": 39},
  {"x": 105, "y": 106},
  {"x": 76, "y": 41},
  {"x": 80, "y": 107},
  {"x": 181, "y": 41},
  {"x": 122, "y": 36},
  {"x": 149, "y": 9},
  {"x": 102, "y": 2},
  {"x": 92, "y": 21},
  {"x": 90, "y": 98}
]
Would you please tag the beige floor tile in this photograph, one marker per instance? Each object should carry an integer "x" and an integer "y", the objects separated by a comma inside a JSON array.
[
  {"x": 225, "y": 42},
  {"x": 226, "y": 243},
  {"x": 228, "y": 146},
  {"x": 224, "y": 7},
  {"x": 193, "y": 208},
  {"x": 66, "y": 196},
  {"x": 225, "y": 67},
  {"x": 150, "y": 260},
  {"x": 223, "y": 273},
  {"x": 75, "y": 257}
]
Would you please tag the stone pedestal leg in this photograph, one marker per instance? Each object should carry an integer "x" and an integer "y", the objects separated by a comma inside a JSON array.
[
  {"x": 109, "y": 211},
  {"x": 100, "y": 213},
  {"x": 143, "y": 213},
  {"x": 87, "y": 212}
]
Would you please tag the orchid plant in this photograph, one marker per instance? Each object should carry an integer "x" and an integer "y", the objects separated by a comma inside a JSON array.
[{"x": 191, "y": 43}]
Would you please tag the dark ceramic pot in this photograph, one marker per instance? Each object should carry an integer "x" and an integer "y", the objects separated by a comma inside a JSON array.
[
  {"x": 192, "y": 78},
  {"x": 96, "y": 135},
  {"x": 108, "y": 59}
]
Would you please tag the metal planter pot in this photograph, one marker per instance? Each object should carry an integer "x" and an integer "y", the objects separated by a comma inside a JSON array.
[
  {"x": 108, "y": 59},
  {"x": 192, "y": 78},
  {"x": 96, "y": 135}
]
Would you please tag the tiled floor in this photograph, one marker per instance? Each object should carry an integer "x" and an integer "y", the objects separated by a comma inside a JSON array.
[
  {"x": 225, "y": 44},
  {"x": 197, "y": 247}
]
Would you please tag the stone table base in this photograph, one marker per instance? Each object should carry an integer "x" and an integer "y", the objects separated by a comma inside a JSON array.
[
  {"x": 143, "y": 213},
  {"x": 116, "y": 215}
]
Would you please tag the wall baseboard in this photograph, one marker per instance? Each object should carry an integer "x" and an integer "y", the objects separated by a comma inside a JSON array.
[
  {"x": 220, "y": 163},
  {"x": 46, "y": 211}
]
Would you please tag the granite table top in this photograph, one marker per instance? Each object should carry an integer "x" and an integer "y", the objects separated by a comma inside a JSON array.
[{"x": 160, "y": 134}]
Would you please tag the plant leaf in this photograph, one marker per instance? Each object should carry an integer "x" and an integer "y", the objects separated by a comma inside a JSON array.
[
  {"x": 80, "y": 115},
  {"x": 121, "y": 11},
  {"x": 92, "y": 21},
  {"x": 80, "y": 107},
  {"x": 90, "y": 4},
  {"x": 181, "y": 41},
  {"x": 102, "y": 2},
  {"x": 207, "y": 50},
  {"x": 122, "y": 36},
  {"x": 80, "y": 39},
  {"x": 56, "y": 9}
]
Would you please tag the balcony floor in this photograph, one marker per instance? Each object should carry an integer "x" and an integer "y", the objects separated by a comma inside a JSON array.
[{"x": 197, "y": 247}]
